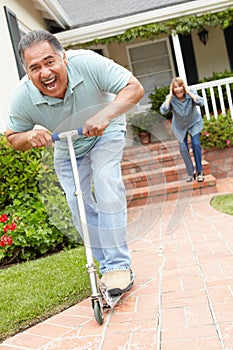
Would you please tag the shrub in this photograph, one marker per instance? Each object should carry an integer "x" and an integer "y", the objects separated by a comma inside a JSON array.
[
  {"x": 216, "y": 76},
  {"x": 39, "y": 207},
  {"x": 158, "y": 97},
  {"x": 217, "y": 132}
]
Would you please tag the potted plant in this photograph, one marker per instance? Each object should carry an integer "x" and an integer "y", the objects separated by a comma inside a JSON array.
[{"x": 142, "y": 124}]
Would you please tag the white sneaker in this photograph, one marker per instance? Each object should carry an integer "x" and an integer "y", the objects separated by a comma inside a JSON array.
[
  {"x": 117, "y": 281},
  {"x": 200, "y": 177},
  {"x": 191, "y": 178}
]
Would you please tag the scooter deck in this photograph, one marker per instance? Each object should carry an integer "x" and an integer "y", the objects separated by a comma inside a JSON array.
[{"x": 115, "y": 299}]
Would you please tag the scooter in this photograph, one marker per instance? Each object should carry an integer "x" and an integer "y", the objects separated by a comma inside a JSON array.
[{"x": 100, "y": 298}]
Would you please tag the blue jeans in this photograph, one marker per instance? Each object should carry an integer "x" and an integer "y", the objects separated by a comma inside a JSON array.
[
  {"x": 104, "y": 199},
  {"x": 197, "y": 152}
]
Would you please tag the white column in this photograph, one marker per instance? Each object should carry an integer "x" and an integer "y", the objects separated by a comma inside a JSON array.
[{"x": 179, "y": 57}]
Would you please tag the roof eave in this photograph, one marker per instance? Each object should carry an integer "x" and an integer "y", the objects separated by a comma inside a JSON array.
[
  {"x": 119, "y": 26},
  {"x": 53, "y": 10}
]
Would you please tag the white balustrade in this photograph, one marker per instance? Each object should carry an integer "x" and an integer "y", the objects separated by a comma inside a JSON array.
[{"x": 221, "y": 85}]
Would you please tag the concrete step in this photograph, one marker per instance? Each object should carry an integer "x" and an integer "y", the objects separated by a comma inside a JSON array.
[
  {"x": 156, "y": 172},
  {"x": 150, "y": 161},
  {"x": 141, "y": 196},
  {"x": 155, "y": 147},
  {"x": 158, "y": 175}
]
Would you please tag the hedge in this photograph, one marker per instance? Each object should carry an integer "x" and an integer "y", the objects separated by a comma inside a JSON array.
[{"x": 34, "y": 217}]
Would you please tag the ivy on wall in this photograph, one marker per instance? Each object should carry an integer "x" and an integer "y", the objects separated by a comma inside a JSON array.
[{"x": 182, "y": 25}]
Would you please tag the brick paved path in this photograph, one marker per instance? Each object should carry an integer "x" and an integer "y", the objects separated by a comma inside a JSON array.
[{"x": 183, "y": 293}]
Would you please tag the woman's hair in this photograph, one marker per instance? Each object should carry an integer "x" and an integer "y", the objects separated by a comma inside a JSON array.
[
  {"x": 177, "y": 80},
  {"x": 37, "y": 36}
]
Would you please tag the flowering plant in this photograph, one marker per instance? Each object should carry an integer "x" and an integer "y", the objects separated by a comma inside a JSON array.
[
  {"x": 217, "y": 132},
  {"x": 7, "y": 225}
]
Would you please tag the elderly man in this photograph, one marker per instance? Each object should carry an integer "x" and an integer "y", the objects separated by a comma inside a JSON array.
[{"x": 85, "y": 89}]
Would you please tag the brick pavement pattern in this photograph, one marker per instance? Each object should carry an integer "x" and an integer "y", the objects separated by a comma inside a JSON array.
[{"x": 182, "y": 298}]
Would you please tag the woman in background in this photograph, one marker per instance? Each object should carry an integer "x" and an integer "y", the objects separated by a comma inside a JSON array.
[{"x": 186, "y": 120}]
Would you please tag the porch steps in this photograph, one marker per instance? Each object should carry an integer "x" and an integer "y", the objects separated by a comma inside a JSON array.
[{"x": 156, "y": 172}]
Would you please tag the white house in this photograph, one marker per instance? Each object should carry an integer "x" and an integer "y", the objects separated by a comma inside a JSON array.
[{"x": 153, "y": 60}]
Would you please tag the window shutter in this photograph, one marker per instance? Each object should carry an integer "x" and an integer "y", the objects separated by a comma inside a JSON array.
[
  {"x": 189, "y": 59},
  {"x": 15, "y": 38},
  {"x": 228, "y": 38}
]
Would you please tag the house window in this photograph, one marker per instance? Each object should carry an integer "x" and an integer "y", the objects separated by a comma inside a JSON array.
[
  {"x": 15, "y": 36},
  {"x": 152, "y": 65}
]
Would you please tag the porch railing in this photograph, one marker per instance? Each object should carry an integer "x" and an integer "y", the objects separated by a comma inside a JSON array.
[{"x": 217, "y": 96}]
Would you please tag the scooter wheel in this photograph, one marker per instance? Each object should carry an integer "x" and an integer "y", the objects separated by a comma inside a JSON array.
[{"x": 98, "y": 313}]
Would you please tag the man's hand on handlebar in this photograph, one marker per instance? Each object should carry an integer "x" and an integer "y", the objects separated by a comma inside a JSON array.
[{"x": 39, "y": 138}]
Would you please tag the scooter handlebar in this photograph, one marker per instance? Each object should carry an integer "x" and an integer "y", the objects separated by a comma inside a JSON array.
[{"x": 58, "y": 136}]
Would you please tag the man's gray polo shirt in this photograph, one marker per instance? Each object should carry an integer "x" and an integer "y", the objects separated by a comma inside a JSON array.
[{"x": 93, "y": 83}]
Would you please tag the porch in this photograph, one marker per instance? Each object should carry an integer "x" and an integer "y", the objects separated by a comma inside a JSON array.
[{"x": 156, "y": 173}]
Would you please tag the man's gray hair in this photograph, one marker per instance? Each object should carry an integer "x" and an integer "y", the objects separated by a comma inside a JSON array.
[{"x": 37, "y": 36}]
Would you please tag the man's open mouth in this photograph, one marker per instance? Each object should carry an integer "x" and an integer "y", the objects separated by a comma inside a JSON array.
[{"x": 50, "y": 83}]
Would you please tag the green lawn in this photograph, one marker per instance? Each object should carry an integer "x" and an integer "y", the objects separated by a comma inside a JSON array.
[
  {"x": 223, "y": 203},
  {"x": 31, "y": 292}
]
